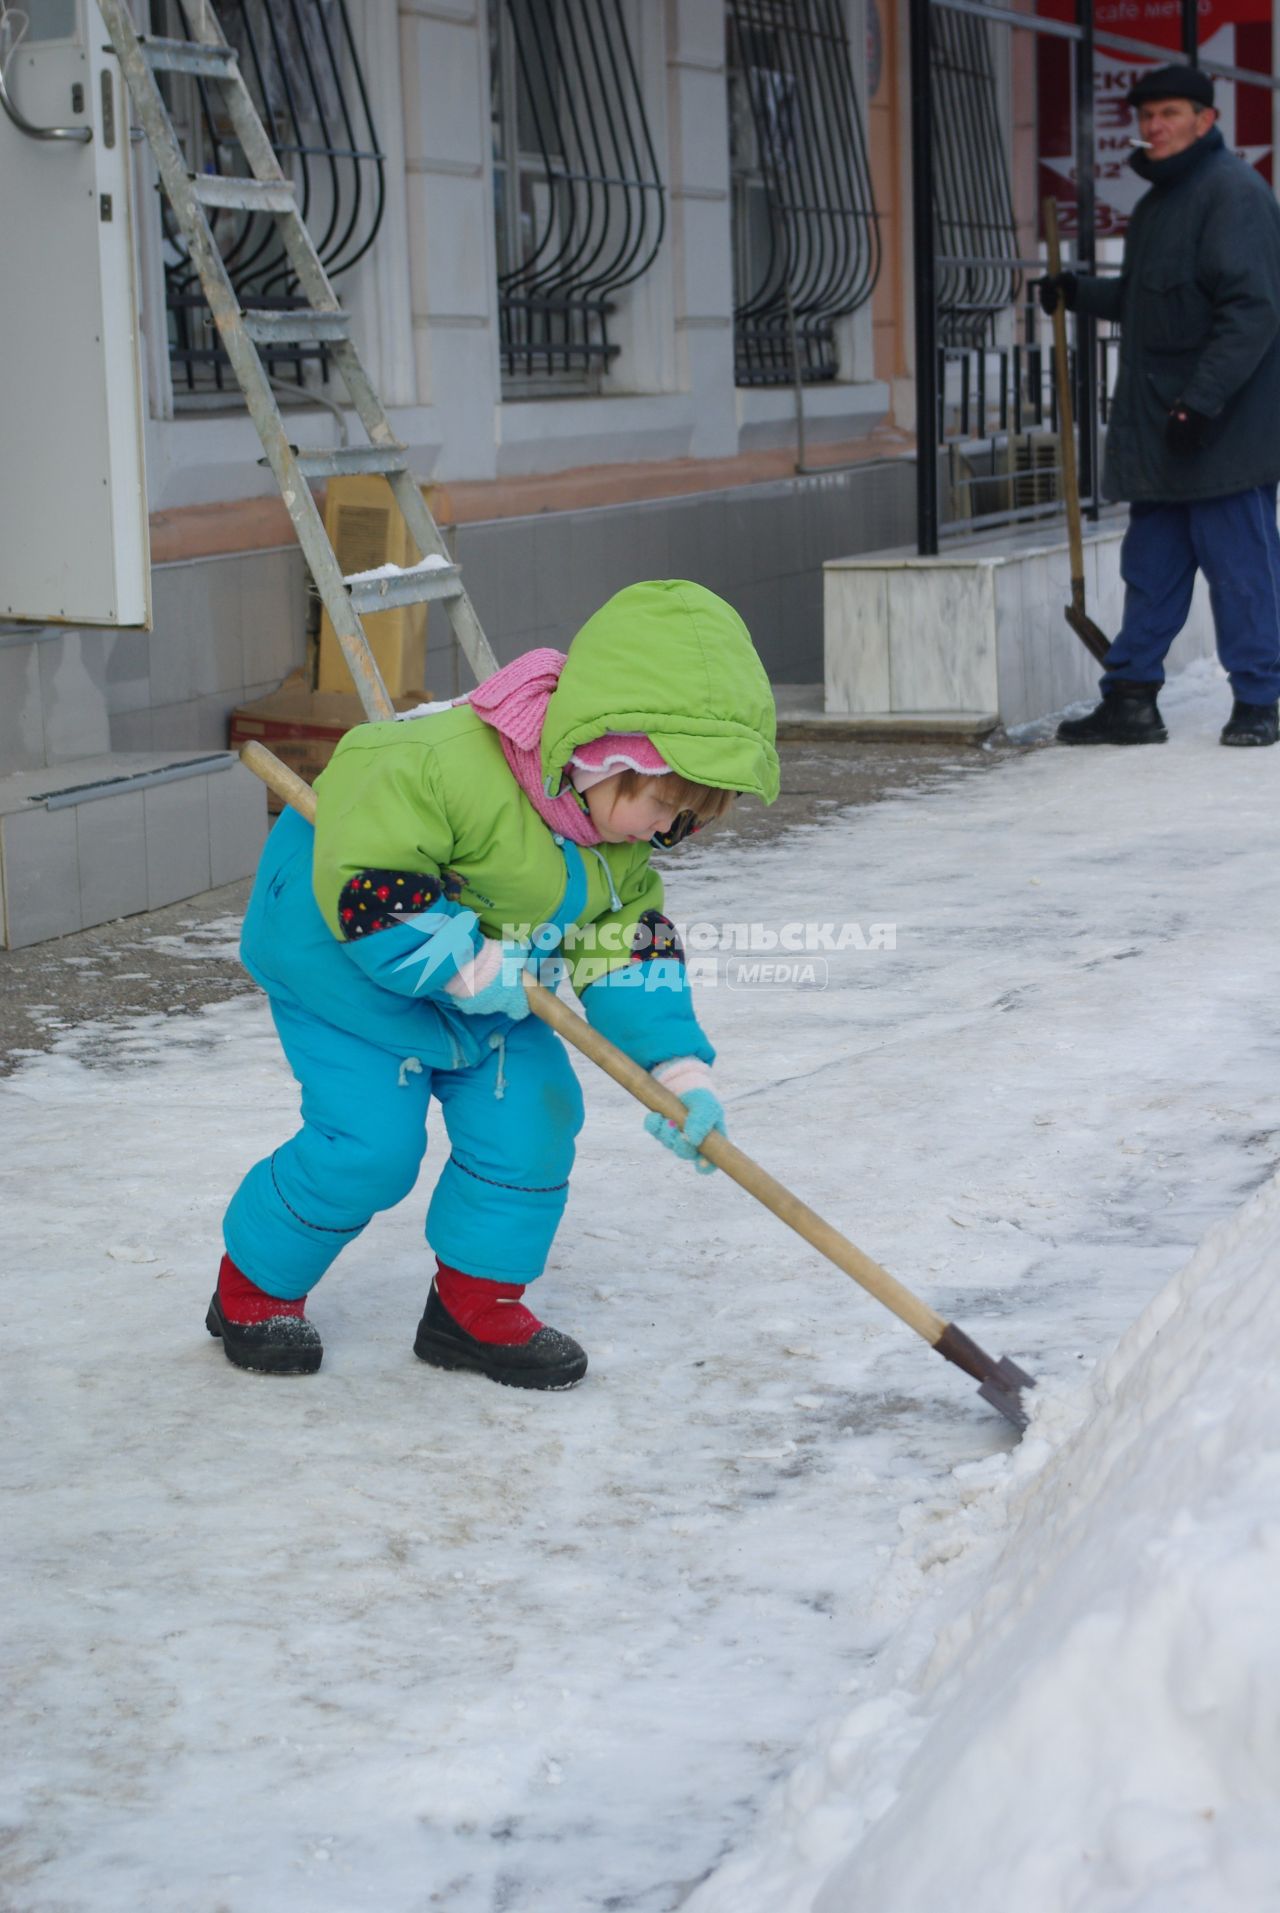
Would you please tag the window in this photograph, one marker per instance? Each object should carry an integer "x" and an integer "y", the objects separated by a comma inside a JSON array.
[
  {"x": 579, "y": 204},
  {"x": 805, "y": 230},
  {"x": 298, "y": 60}
]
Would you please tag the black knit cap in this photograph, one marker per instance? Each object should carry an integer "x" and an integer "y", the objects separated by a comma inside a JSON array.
[{"x": 1172, "y": 83}]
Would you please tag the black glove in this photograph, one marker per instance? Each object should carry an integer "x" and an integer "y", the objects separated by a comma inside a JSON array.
[
  {"x": 1186, "y": 430},
  {"x": 1059, "y": 285}
]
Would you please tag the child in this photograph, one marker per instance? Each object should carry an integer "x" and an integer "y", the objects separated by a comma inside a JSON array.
[{"x": 449, "y": 851}]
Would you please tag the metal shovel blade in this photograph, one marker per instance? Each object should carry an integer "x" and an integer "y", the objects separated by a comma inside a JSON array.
[
  {"x": 1003, "y": 1389},
  {"x": 1001, "y": 1382}
]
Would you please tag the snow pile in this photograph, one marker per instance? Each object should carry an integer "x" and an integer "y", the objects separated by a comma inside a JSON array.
[{"x": 1097, "y": 1726}]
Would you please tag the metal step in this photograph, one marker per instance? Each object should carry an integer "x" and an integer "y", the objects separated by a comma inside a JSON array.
[
  {"x": 303, "y": 326},
  {"x": 191, "y": 56},
  {"x": 346, "y": 461},
  {"x": 439, "y": 584},
  {"x": 244, "y": 195}
]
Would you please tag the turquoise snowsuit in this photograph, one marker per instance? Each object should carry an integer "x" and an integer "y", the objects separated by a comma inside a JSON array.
[{"x": 423, "y": 820}]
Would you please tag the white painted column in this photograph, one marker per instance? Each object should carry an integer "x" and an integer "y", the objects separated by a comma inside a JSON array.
[
  {"x": 698, "y": 156},
  {"x": 377, "y": 293},
  {"x": 453, "y": 270},
  {"x": 855, "y": 334}
]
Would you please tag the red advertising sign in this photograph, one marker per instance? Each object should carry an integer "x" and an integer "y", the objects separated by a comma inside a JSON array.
[{"x": 1232, "y": 32}]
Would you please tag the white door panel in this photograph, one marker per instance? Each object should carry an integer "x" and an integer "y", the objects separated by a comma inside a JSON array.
[{"x": 73, "y": 517}]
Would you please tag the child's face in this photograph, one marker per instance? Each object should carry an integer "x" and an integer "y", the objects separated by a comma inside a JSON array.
[{"x": 629, "y": 819}]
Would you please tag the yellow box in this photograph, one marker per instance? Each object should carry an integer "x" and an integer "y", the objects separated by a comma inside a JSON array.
[{"x": 366, "y": 530}]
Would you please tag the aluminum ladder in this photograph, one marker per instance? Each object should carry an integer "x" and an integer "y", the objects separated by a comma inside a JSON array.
[{"x": 322, "y": 322}]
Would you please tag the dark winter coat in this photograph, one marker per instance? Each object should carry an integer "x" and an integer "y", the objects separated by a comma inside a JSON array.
[{"x": 1198, "y": 301}]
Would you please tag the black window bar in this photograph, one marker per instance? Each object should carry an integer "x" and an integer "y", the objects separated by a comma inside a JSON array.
[
  {"x": 806, "y": 230},
  {"x": 974, "y": 226},
  {"x": 580, "y": 205},
  {"x": 299, "y": 61}
]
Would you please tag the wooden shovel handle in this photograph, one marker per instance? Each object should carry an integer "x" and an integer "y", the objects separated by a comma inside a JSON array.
[
  {"x": 739, "y": 1166},
  {"x": 1066, "y": 422},
  {"x": 577, "y": 1032}
]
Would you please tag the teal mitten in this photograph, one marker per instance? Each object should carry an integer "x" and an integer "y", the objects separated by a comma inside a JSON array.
[
  {"x": 504, "y": 993},
  {"x": 706, "y": 1112}
]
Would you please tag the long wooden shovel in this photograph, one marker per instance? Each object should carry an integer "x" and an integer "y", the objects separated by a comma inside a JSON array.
[
  {"x": 1002, "y": 1382},
  {"x": 1074, "y": 613}
]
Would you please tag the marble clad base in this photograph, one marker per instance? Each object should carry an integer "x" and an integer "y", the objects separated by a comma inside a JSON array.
[
  {"x": 979, "y": 628},
  {"x": 84, "y": 843}
]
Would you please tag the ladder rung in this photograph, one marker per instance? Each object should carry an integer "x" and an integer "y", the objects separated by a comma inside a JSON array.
[
  {"x": 244, "y": 195},
  {"x": 405, "y": 587},
  {"x": 352, "y": 460},
  {"x": 191, "y": 56},
  {"x": 302, "y": 326}
]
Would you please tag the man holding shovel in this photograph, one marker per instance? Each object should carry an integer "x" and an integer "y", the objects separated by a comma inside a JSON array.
[{"x": 1194, "y": 438}]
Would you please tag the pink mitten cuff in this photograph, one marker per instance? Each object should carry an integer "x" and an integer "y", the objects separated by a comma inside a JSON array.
[
  {"x": 479, "y": 973},
  {"x": 681, "y": 1073}
]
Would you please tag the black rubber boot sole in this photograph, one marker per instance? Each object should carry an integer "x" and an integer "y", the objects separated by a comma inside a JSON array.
[
  {"x": 1252, "y": 726},
  {"x": 549, "y": 1360},
  {"x": 1074, "y": 730},
  {"x": 1126, "y": 715},
  {"x": 1248, "y": 740},
  {"x": 285, "y": 1345}
]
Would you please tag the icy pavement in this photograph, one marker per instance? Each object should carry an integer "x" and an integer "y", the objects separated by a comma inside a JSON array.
[{"x": 395, "y": 1639}]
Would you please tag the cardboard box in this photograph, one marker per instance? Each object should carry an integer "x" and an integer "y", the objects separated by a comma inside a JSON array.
[
  {"x": 366, "y": 530},
  {"x": 302, "y": 726}
]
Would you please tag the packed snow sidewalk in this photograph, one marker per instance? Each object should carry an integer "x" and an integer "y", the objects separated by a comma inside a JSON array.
[{"x": 394, "y": 1639}]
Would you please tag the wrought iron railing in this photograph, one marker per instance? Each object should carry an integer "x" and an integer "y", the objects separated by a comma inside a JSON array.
[
  {"x": 299, "y": 61},
  {"x": 974, "y": 228},
  {"x": 580, "y": 202},
  {"x": 998, "y": 427},
  {"x": 806, "y": 232}
]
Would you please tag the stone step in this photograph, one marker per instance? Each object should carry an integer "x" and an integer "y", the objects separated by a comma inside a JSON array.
[
  {"x": 104, "y": 837},
  {"x": 804, "y": 719}
]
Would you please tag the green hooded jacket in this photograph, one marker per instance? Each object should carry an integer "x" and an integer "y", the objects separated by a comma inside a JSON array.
[{"x": 434, "y": 795}]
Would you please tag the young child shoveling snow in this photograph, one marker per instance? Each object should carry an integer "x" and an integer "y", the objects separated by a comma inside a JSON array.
[{"x": 450, "y": 851}]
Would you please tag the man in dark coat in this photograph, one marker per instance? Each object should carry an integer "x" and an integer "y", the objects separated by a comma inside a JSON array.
[{"x": 1194, "y": 437}]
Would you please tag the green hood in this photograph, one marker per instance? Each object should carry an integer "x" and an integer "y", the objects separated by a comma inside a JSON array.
[{"x": 670, "y": 659}]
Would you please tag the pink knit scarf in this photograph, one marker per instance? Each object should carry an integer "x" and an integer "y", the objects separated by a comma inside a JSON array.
[{"x": 514, "y": 701}]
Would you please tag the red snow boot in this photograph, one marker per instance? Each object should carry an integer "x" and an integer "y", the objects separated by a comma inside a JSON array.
[
  {"x": 474, "y": 1324},
  {"x": 262, "y": 1332}
]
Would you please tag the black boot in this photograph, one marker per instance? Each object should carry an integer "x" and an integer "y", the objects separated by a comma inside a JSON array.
[
  {"x": 1251, "y": 724},
  {"x": 547, "y": 1360},
  {"x": 1128, "y": 714},
  {"x": 262, "y": 1332},
  {"x": 282, "y": 1345}
]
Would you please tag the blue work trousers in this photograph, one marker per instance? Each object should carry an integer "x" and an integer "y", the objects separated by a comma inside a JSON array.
[{"x": 1235, "y": 542}]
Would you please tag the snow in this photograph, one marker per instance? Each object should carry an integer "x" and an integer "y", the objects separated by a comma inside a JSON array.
[
  {"x": 427, "y": 710},
  {"x": 1091, "y": 1721},
  {"x": 393, "y": 1638},
  {"x": 432, "y": 562}
]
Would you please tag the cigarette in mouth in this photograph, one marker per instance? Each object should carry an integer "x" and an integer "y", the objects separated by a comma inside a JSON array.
[{"x": 1141, "y": 142}]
